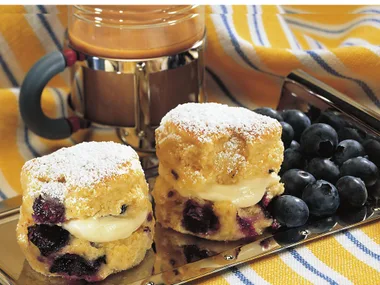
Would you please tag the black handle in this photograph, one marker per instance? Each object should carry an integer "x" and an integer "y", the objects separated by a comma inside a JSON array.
[{"x": 30, "y": 97}]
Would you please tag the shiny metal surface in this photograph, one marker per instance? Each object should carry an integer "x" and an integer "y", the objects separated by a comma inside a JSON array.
[
  {"x": 168, "y": 264},
  {"x": 302, "y": 90},
  {"x": 153, "y": 65},
  {"x": 10, "y": 206},
  {"x": 133, "y": 95}
]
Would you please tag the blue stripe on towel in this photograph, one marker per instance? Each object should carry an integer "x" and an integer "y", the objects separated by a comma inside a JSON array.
[
  {"x": 369, "y": 11},
  {"x": 330, "y": 31},
  {"x": 234, "y": 39},
  {"x": 8, "y": 72},
  {"x": 47, "y": 26},
  {"x": 223, "y": 87},
  {"x": 62, "y": 104},
  {"x": 236, "y": 44},
  {"x": 61, "y": 101},
  {"x": 28, "y": 144},
  {"x": 241, "y": 276},
  {"x": 309, "y": 267},
  {"x": 371, "y": 95},
  {"x": 2, "y": 195},
  {"x": 361, "y": 246},
  {"x": 257, "y": 25}
]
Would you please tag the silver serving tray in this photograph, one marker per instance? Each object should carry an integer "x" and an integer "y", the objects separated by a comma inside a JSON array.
[{"x": 166, "y": 263}]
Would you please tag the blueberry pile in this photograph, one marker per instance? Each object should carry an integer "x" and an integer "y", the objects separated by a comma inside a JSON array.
[{"x": 329, "y": 165}]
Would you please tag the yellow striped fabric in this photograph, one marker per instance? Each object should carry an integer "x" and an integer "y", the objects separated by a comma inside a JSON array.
[{"x": 250, "y": 50}]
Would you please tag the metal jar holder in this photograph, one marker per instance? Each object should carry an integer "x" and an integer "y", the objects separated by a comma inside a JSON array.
[{"x": 140, "y": 110}]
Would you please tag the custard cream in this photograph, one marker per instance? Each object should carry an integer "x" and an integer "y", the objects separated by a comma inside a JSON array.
[
  {"x": 243, "y": 194},
  {"x": 105, "y": 229}
]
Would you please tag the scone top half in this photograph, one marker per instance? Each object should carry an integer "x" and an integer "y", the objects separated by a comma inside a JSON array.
[
  {"x": 203, "y": 145},
  {"x": 94, "y": 179}
]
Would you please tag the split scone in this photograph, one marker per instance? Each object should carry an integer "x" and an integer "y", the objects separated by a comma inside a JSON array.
[
  {"x": 86, "y": 211},
  {"x": 218, "y": 170}
]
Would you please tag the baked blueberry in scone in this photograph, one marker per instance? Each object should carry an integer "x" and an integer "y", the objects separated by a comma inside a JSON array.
[
  {"x": 218, "y": 171},
  {"x": 86, "y": 211}
]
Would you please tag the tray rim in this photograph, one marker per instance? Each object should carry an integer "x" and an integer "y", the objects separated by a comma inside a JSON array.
[{"x": 222, "y": 261}]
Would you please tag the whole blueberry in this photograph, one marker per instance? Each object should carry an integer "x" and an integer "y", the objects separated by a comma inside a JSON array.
[
  {"x": 287, "y": 134},
  {"x": 319, "y": 140},
  {"x": 332, "y": 119},
  {"x": 347, "y": 149},
  {"x": 290, "y": 211},
  {"x": 372, "y": 148},
  {"x": 292, "y": 159},
  {"x": 323, "y": 168},
  {"x": 352, "y": 191},
  {"x": 298, "y": 120},
  {"x": 295, "y": 180},
  {"x": 321, "y": 197},
  {"x": 351, "y": 134},
  {"x": 295, "y": 145},
  {"x": 362, "y": 168},
  {"x": 266, "y": 111}
]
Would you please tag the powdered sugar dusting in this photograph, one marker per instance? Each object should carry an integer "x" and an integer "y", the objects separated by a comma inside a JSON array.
[
  {"x": 208, "y": 119},
  {"x": 231, "y": 157},
  {"x": 81, "y": 165}
]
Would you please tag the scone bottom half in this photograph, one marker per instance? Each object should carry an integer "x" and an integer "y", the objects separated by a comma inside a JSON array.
[
  {"x": 218, "y": 171},
  {"x": 86, "y": 212}
]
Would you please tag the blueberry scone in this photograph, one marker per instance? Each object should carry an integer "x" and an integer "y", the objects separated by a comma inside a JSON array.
[
  {"x": 86, "y": 211},
  {"x": 218, "y": 171}
]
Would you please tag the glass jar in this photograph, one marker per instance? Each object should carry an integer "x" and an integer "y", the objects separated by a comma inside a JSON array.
[
  {"x": 139, "y": 63},
  {"x": 135, "y": 31}
]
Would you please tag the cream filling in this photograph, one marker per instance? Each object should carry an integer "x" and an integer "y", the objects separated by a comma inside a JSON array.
[
  {"x": 243, "y": 194},
  {"x": 105, "y": 229}
]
